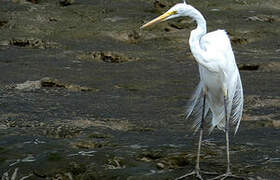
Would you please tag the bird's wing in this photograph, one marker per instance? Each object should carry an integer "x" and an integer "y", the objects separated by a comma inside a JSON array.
[
  {"x": 237, "y": 104},
  {"x": 216, "y": 41},
  {"x": 218, "y": 49},
  {"x": 194, "y": 107}
]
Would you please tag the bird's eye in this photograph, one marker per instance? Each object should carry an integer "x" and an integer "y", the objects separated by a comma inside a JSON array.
[{"x": 174, "y": 12}]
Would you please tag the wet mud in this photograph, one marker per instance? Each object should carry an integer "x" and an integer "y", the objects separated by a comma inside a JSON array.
[{"x": 86, "y": 94}]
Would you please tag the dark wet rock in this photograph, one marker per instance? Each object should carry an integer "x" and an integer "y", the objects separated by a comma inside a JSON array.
[
  {"x": 162, "y": 4},
  {"x": 53, "y": 19},
  {"x": 91, "y": 144},
  {"x": 248, "y": 67},
  {"x": 159, "y": 4},
  {"x": 34, "y": 1},
  {"x": 262, "y": 67},
  {"x": 3, "y": 23},
  {"x": 32, "y": 43},
  {"x": 261, "y": 18},
  {"x": 66, "y": 2},
  {"x": 107, "y": 56},
  {"x": 50, "y": 83},
  {"x": 239, "y": 40},
  {"x": 115, "y": 163},
  {"x": 133, "y": 36},
  {"x": 151, "y": 155},
  {"x": 62, "y": 131}
]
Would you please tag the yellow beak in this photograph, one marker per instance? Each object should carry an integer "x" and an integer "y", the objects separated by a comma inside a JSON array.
[{"x": 159, "y": 19}]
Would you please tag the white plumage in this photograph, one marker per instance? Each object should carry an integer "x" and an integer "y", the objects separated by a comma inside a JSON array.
[
  {"x": 222, "y": 76},
  {"x": 219, "y": 93}
]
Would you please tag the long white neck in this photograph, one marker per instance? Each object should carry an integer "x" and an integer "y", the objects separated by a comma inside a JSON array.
[{"x": 196, "y": 36}]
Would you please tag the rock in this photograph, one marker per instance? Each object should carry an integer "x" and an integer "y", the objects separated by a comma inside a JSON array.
[
  {"x": 3, "y": 23},
  {"x": 90, "y": 144},
  {"x": 52, "y": 82},
  {"x": 160, "y": 165},
  {"x": 111, "y": 57},
  {"x": 160, "y": 4},
  {"x": 32, "y": 43},
  {"x": 276, "y": 123},
  {"x": 28, "y": 85},
  {"x": 3, "y": 127},
  {"x": 261, "y": 18},
  {"x": 66, "y": 2}
]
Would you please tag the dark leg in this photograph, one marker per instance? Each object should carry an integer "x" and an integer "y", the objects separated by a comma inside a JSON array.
[
  {"x": 197, "y": 170},
  {"x": 227, "y": 131},
  {"x": 228, "y": 173},
  {"x": 200, "y": 134}
]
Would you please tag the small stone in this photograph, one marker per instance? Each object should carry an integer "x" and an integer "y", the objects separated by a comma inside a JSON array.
[
  {"x": 160, "y": 165},
  {"x": 145, "y": 159},
  {"x": 276, "y": 123},
  {"x": 3, "y": 127},
  {"x": 29, "y": 85}
]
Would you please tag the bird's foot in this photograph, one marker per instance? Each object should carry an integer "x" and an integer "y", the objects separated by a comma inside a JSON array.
[
  {"x": 227, "y": 175},
  {"x": 196, "y": 173}
]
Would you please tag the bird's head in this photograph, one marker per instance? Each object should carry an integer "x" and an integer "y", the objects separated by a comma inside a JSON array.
[{"x": 181, "y": 9}]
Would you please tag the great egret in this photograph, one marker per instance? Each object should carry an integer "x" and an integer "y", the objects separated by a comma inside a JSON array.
[{"x": 219, "y": 91}]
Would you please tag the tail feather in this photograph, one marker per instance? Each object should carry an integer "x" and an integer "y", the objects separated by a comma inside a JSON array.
[
  {"x": 237, "y": 105},
  {"x": 234, "y": 107},
  {"x": 194, "y": 107}
]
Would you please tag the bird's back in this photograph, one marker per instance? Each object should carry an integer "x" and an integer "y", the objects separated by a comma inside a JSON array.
[{"x": 216, "y": 41}]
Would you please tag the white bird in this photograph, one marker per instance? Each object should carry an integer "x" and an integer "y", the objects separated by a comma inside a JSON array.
[{"x": 219, "y": 92}]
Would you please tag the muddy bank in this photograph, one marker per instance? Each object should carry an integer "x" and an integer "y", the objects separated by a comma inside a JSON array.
[{"x": 85, "y": 94}]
